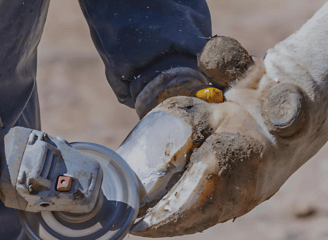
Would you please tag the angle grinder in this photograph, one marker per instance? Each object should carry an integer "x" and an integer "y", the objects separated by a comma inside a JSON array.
[{"x": 67, "y": 190}]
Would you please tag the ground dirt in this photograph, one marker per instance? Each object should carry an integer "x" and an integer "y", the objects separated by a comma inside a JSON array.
[{"x": 78, "y": 104}]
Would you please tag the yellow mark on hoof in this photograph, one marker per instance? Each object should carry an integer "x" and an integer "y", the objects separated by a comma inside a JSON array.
[{"x": 211, "y": 95}]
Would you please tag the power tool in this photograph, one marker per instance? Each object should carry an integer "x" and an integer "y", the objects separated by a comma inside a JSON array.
[
  {"x": 84, "y": 190},
  {"x": 66, "y": 190}
]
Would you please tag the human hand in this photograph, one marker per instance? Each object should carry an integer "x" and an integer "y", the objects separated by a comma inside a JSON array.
[{"x": 243, "y": 150}]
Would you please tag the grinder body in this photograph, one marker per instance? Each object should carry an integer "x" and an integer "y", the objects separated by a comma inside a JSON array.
[{"x": 67, "y": 190}]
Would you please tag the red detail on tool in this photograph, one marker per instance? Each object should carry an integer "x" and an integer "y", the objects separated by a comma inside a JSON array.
[{"x": 64, "y": 184}]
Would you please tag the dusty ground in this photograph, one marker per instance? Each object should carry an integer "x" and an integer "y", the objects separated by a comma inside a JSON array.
[{"x": 78, "y": 104}]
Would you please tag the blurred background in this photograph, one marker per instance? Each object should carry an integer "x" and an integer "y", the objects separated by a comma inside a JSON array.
[{"x": 78, "y": 104}]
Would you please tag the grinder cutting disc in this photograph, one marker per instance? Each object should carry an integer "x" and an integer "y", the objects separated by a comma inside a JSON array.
[{"x": 112, "y": 217}]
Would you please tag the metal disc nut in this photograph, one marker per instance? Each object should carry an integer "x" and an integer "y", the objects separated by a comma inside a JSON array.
[{"x": 64, "y": 184}]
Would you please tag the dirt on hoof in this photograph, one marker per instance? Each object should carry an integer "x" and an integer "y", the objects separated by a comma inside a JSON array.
[{"x": 223, "y": 60}]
